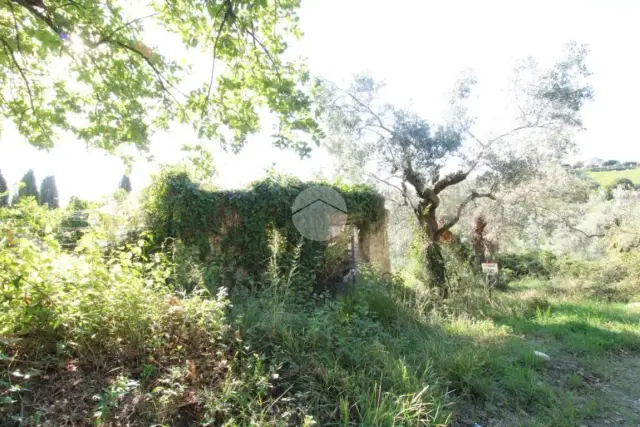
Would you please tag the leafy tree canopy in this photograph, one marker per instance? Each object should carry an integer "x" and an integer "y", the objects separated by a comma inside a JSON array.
[
  {"x": 401, "y": 150},
  {"x": 83, "y": 67}
]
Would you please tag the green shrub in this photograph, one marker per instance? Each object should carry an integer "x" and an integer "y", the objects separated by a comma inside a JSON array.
[
  {"x": 91, "y": 308},
  {"x": 624, "y": 183},
  {"x": 527, "y": 264}
]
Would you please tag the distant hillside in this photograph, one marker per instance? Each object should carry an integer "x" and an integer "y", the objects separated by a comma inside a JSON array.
[{"x": 605, "y": 178}]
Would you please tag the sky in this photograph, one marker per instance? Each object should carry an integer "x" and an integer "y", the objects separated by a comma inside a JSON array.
[{"x": 419, "y": 48}]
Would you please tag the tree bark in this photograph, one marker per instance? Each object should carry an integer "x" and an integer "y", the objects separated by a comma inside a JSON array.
[
  {"x": 426, "y": 213},
  {"x": 437, "y": 269}
]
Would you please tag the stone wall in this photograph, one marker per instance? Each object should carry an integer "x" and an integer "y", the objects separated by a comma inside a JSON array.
[
  {"x": 373, "y": 245},
  {"x": 367, "y": 242}
]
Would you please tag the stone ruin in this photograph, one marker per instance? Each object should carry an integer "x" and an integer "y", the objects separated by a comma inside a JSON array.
[
  {"x": 232, "y": 230},
  {"x": 367, "y": 243}
]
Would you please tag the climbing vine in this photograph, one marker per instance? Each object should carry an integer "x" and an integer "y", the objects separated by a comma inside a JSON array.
[{"x": 232, "y": 229}]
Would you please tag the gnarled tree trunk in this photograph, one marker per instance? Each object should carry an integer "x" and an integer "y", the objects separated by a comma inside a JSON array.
[
  {"x": 437, "y": 268},
  {"x": 426, "y": 214}
]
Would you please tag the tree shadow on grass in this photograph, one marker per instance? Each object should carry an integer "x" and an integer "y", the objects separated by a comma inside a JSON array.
[{"x": 375, "y": 342}]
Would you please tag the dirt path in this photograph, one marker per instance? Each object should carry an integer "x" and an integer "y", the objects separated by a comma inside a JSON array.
[{"x": 618, "y": 394}]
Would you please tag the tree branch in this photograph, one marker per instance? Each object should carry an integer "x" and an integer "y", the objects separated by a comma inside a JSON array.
[
  {"x": 385, "y": 182},
  {"x": 457, "y": 177},
  {"x": 567, "y": 223},
  {"x": 227, "y": 14},
  {"x": 367, "y": 128},
  {"x": 161, "y": 78},
  {"x": 451, "y": 179},
  {"x": 266, "y": 51},
  {"x": 519, "y": 128},
  {"x": 482, "y": 144},
  {"x": 172, "y": 9},
  {"x": 402, "y": 191},
  {"x": 49, "y": 22},
  {"x": 70, "y": 3},
  {"x": 123, "y": 26},
  {"x": 368, "y": 108},
  {"x": 15, "y": 24},
  {"x": 21, "y": 71},
  {"x": 413, "y": 178},
  {"x": 473, "y": 196},
  {"x": 35, "y": 12},
  {"x": 26, "y": 83}
]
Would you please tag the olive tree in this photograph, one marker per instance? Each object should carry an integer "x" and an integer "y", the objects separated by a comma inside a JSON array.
[
  {"x": 541, "y": 212},
  {"x": 401, "y": 150}
]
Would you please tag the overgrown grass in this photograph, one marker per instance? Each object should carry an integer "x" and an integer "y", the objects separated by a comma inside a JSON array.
[
  {"x": 108, "y": 340},
  {"x": 389, "y": 361}
]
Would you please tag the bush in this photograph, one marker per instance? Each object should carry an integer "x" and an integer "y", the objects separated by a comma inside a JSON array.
[
  {"x": 610, "y": 163},
  {"x": 624, "y": 183},
  {"x": 507, "y": 276},
  {"x": 616, "y": 277},
  {"x": 92, "y": 310},
  {"x": 528, "y": 264}
]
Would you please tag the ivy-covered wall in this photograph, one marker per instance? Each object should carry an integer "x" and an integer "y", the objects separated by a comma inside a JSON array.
[{"x": 232, "y": 229}]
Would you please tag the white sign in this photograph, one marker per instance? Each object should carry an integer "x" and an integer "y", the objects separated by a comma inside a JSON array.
[{"x": 490, "y": 268}]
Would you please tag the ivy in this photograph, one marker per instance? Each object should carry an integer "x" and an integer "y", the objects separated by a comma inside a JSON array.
[{"x": 240, "y": 222}]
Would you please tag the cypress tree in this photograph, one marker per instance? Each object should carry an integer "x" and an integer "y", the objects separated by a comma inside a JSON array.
[
  {"x": 29, "y": 188},
  {"x": 4, "y": 198},
  {"x": 49, "y": 193},
  {"x": 125, "y": 183}
]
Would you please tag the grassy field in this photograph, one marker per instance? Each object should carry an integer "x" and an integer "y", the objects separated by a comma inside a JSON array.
[{"x": 608, "y": 177}]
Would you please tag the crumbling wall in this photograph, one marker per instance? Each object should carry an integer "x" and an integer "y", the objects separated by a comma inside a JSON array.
[
  {"x": 365, "y": 242},
  {"x": 234, "y": 231},
  {"x": 373, "y": 244}
]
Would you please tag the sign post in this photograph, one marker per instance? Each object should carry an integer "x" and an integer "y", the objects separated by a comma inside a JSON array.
[{"x": 490, "y": 270}]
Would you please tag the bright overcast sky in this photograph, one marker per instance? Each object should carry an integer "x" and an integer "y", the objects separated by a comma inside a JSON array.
[{"x": 419, "y": 48}]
